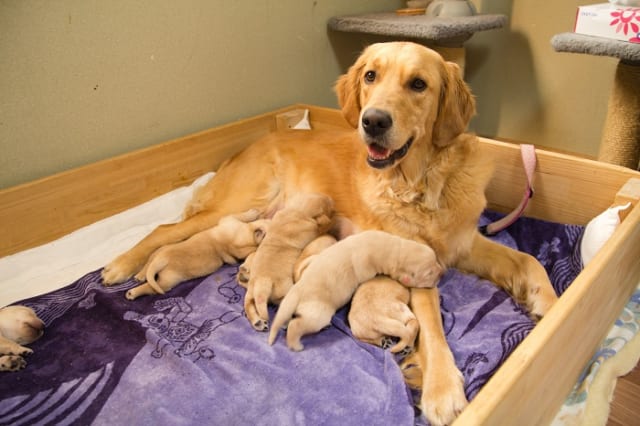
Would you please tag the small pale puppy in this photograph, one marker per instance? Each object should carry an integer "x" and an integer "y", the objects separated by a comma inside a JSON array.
[
  {"x": 19, "y": 325},
  {"x": 271, "y": 271},
  {"x": 235, "y": 237},
  {"x": 309, "y": 252},
  {"x": 380, "y": 310},
  {"x": 333, "y": 276}
]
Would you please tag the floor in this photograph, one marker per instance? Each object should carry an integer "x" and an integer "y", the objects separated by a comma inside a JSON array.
[{"x": 625, "y": 408}]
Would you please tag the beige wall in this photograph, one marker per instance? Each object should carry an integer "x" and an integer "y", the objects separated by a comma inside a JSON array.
[
  {"x": 526, "y": 91},
  {"x": 82, "y": 80}
]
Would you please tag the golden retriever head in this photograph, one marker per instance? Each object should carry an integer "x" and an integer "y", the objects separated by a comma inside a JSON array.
[{"x": 398, "y": 94}]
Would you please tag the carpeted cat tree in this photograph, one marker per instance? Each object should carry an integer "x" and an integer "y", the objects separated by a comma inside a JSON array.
[{"x": 621, "y": 134}]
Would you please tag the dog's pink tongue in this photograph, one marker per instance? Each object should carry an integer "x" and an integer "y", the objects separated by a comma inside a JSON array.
[{"x": 377, "y": 152}]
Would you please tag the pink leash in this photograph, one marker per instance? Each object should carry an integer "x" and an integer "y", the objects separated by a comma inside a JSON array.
[{"x": 529, "y": 161}]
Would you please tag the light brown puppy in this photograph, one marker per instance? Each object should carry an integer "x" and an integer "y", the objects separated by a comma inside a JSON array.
[
  {"x": 333, "y": 276},
  {"x": 380, "y": 310},
  {"x": 407, "y": 167},
  {"x": 304, "y": 218},
  {"x": 19, "y": 325},
  {"x": 235, "y": 237},
  {"x": 309, "y": 252}
]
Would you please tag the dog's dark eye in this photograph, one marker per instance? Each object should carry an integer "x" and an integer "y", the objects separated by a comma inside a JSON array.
[
  {"x": 418, "y": 84},
  {"x": 370, "y": 76}
]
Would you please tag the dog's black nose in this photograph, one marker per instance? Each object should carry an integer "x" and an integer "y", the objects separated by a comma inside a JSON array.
[{"x": 376, "y": 122}]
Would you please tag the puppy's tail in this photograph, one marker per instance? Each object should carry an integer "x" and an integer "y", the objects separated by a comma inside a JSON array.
[
  {"x": 285, "y": 312},
  {"x": 155, "y": 267}
]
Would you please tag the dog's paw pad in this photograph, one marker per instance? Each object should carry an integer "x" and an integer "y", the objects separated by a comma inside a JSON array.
[
  {"x": 261, "y": 325},
  {"x": 25, "y": 352},
  {"x": 387, "y": 341},
  {"x": 12, "y": 363},
  {"x": 406, "y": 351}
]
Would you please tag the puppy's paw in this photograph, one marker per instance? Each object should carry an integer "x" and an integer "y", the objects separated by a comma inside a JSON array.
[
  {"x": 140, "y": 277},
  {"x": 406, "y": 351},
  {"x": 260, "y": 325},
  {"x": 24, "y": 351},
  {"x": 387, "y": 341},
  {"x": 12, "y": 363}
]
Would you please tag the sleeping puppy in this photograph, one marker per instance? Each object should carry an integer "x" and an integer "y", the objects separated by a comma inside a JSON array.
[
  {"x": 309, "y": 252},
  {"x": 334, "y": 275},
  {"x": 235, "y": 237},
  {"x": 380, "y": 310},
  {"x": 19, "y": 325},
  {"x": 304, "y": 218}
]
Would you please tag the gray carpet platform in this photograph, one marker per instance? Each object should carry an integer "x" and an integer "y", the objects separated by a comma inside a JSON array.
[
  {"x": 600, "y": 46},
  {"x": 621, "y": 134},
  {"x": 447, "y": 30}
]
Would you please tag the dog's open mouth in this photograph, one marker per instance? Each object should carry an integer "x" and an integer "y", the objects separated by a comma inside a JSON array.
[{"x": 381, "y": 157}]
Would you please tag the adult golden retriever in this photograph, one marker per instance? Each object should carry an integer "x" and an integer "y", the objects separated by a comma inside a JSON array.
[{"x": 408, "y": 169}]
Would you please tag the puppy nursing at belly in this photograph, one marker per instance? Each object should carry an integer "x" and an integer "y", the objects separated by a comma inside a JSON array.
[
  {"x": 19, "y": 325},
  {"x": 333, "y": 276},
  {"x": 272, "y": 268},
  {"x": 235, "y": 237}
]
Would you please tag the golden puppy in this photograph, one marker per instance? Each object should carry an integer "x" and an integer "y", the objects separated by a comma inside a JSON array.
[
  {"x": 235, "y": 237},
  {"x": 271, "y": 275},
  {"x": 380, "y": 310},
  {"x": 19, "y": 325},
  {"x": 334, "y": 274},
  {"x": 309, "y": 252},
  {"x": 406, "y": 167}
]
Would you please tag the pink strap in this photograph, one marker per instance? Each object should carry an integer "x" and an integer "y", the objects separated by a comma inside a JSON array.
[{"x": 529, "y": 161}]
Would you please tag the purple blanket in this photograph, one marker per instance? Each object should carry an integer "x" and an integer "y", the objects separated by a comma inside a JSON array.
[{"x": 191, "y": 357}]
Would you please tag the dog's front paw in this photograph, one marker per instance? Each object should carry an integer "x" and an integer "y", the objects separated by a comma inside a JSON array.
[
  {"x": 12, "y": 363},
  {"x": 444, "y": 400},
  {"x": 119, "y": 270}
]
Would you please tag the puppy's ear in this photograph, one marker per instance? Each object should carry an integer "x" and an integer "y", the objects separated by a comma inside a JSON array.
[
  {"x": 348, "y": 90},
  {"x": 259, "y": 234},
  {"x": 457, "y": 106},
  {"x": 324, "y": 222}
]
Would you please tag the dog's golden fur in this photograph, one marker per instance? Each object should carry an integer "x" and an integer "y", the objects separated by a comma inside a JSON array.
[{"x": 431, "y": 190}]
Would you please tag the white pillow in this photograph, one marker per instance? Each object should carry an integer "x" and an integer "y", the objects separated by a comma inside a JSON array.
[{"x": 598, "y": 231}]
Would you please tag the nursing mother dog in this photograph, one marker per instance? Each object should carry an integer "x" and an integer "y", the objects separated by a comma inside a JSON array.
[{"x": 407, "y": 168}]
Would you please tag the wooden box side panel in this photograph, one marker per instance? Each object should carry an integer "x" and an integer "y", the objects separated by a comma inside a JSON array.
[
  {"x": 40, "y": 211},
  {"x": 532, "y": 384},
  {"x": 567, "y": 189}
]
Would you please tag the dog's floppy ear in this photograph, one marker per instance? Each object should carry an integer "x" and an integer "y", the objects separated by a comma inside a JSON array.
[
  {"x": 348, "y": 90},
  {"x": 457, "y": 106}
]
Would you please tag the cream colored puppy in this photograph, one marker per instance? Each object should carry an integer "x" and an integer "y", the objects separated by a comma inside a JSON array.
[
  {"x": 309, "y": 252},
  {"x": 271, "y": 271},
  {"x": 380, "y": 310},
  {"x": 235, "y": 237},
  {"x": 334, "y": 275},
  {"x": 19, "y": 325}
]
